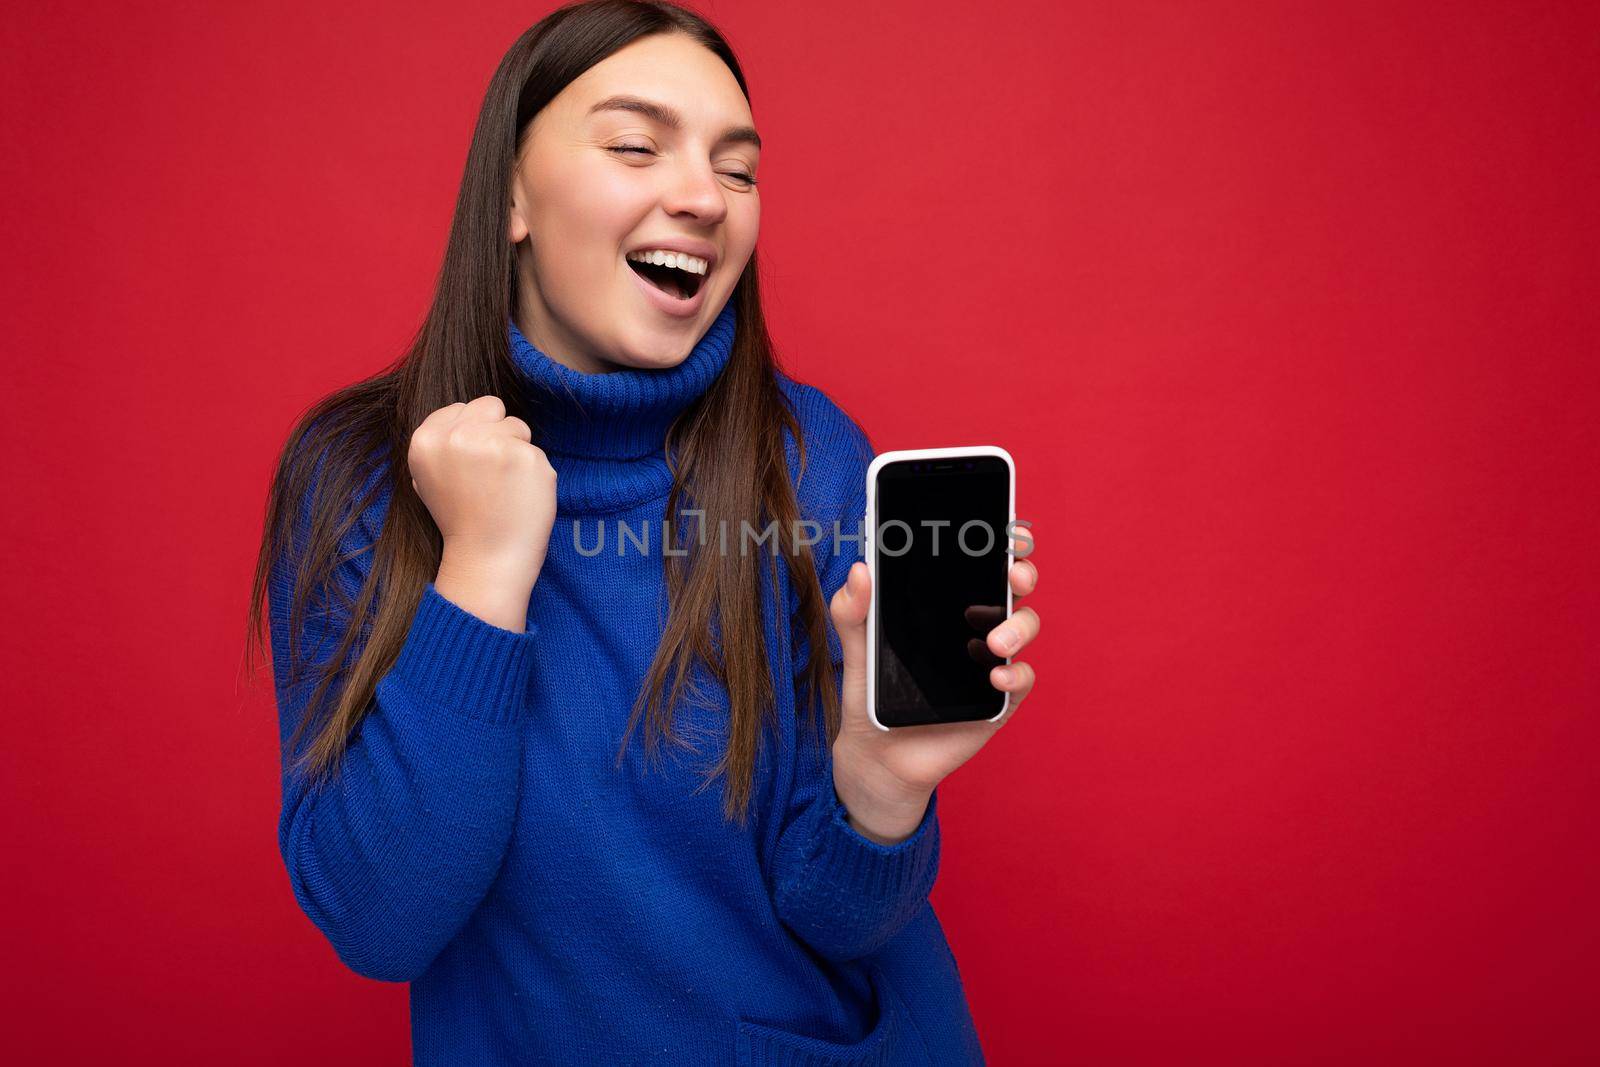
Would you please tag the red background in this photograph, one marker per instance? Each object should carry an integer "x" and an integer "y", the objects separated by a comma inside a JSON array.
[{"x": 1287, "y": 312}]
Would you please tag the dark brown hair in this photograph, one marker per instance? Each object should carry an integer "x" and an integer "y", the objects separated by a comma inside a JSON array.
[{"x": 727, "y": 450}]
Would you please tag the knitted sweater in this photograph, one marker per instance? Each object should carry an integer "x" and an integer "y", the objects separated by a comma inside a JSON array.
[{"x": 549, "y": 907}]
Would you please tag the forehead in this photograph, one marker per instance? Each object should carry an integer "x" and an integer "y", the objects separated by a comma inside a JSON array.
[{"x": 670, "y": 69}]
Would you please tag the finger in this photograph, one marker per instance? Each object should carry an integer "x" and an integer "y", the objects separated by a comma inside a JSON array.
[
  {"x": 447, "y": 414},
  {"x": 849, "y": 611},
  {"x": 519, "y": 428},
  {"x": 849, "y": 604},
  {"x": 1024, "y": 577},
  {"x": 1015, "y": 696},
  {"x": 1023, "y": 539},
  {"x": 437, "y": 421},
  {"x": 488, "y": 407},
  {"x": 984, "y": 617},
  {"x": 979, "y": 652},
  {"x": 1015, "y": 678},
  {"x": 1010, "y": 636}
]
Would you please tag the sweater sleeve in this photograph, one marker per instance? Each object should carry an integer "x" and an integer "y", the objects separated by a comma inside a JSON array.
[
  {"x": 842, "y": 893},
  {"x": 392, "y": 856}
]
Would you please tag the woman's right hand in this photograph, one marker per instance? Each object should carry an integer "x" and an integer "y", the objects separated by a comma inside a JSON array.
[{"x": 492, "y": 493}]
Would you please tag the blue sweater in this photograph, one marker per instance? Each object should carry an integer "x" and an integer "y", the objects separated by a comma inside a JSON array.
[{"x": 548, "y": 907}]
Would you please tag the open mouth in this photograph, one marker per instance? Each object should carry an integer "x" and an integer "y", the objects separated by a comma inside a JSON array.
[{"x": 678, "y": 284}]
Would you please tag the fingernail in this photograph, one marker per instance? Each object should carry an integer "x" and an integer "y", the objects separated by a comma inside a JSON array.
[
  {"x": 1005, "y": 675},
  {"x": 1008, "y": 639}
]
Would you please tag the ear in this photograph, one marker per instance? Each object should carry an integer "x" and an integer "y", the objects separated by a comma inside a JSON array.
[{"x": 517, "y": 231}]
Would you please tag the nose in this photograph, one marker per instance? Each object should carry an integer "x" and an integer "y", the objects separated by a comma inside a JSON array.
[{"x": 694, "y": 190}]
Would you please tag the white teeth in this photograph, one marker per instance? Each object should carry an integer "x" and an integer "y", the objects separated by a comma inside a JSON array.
[{"x": 662, "y": 258}]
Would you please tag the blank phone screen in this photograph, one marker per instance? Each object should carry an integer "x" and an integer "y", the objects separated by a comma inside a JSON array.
[{"x": 941, "y": 572}]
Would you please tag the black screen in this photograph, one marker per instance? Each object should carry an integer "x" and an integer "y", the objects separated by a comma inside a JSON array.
[{"x": 939, "y": 590}]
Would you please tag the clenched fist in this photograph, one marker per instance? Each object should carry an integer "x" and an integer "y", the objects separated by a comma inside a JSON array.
[{"x": 492, "y": 493}]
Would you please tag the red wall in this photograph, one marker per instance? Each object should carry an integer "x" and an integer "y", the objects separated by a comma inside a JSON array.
[{"x": 1286, "y": 311}]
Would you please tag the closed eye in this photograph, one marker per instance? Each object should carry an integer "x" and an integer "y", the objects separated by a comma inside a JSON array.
[{"x": 620, "y": 149}]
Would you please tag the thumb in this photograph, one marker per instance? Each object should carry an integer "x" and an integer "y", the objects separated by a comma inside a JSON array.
[
  {"x": 849, "y": 605},
  {"x": 849, "y": 610}
]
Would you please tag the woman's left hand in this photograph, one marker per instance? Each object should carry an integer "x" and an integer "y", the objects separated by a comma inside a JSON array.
[{"x": 884, "y": 778}]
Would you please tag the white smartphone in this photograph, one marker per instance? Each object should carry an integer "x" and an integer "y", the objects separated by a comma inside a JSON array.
[{"x": 938, "y": 532}]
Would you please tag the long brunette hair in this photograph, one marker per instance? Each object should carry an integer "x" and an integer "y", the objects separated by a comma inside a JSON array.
[{"x": 727, "y": 450}]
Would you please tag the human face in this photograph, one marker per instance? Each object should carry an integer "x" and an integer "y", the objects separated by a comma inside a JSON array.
[{"x": 578, "y": 206}]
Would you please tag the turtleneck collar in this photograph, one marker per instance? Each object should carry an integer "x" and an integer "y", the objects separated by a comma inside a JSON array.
[{"x": 604, "y": 433}]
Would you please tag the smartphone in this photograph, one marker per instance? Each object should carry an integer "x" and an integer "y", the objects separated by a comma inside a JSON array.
[{"x": 938, "y": 546}]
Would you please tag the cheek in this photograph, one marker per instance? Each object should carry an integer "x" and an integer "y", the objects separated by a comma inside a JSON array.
[
  {"x": 608, "y": 206},
  {"x": 743, "y": 225},
  {"x": 586, "y": 213}
]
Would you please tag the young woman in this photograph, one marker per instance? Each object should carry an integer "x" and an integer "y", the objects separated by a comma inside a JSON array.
[{"x": 460, "y": 669}]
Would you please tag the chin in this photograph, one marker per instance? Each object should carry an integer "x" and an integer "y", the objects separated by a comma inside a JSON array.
[{"x": 661, "y": 352}]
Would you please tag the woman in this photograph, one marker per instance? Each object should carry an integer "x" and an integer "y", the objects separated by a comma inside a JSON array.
[{"x": 460, "y": 670}]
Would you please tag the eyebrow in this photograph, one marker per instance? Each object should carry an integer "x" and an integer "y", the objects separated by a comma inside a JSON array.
[{"x": 669, "y": 117}]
